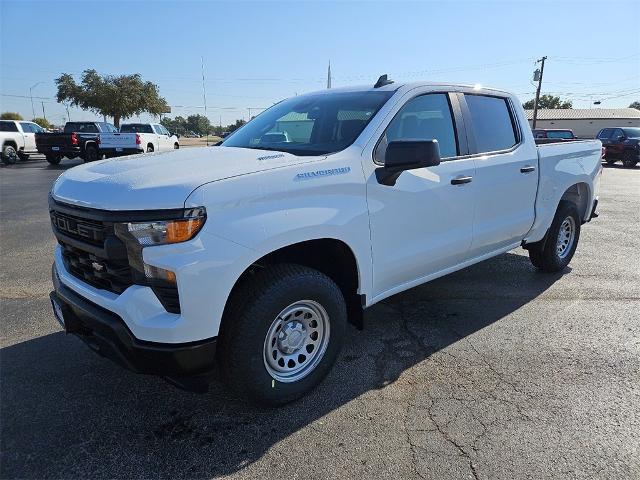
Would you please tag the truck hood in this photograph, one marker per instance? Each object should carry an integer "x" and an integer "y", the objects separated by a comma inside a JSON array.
[{"x": 161, "y": 180}]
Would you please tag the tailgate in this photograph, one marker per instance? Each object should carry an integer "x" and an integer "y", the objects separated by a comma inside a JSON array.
[
  {"x": 118, "y": 140},
  {"x": 53, "y": 139}
]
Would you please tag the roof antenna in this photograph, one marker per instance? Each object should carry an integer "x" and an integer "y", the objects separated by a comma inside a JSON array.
[{"x": 382, "y": 81}]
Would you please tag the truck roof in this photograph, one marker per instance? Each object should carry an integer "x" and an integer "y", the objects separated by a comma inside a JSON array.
[{"x": 411, "y": 85}]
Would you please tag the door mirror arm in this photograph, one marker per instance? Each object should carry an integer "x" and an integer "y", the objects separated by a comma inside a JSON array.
[{"x": 402, "y": 155}]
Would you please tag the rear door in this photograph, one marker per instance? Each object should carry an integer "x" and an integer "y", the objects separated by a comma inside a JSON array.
[
  {"x": 29, "y": 136},
  {"x": 163, "y": 139},
  {"x": 421, "y": 225},
  {"x": 506, "y": 178}
]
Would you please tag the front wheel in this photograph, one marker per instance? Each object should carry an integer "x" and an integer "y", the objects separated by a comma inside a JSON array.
[
  {"x": 555, "y": 253},
  {"x": 281, "y": 333},
  {"x": 176, "y": 146},
  {"x": 629, "y": 159},
  {"x": 9, "y": 155}
]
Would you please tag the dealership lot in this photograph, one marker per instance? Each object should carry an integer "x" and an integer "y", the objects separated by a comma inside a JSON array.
[{"x": 496, "y": 371}]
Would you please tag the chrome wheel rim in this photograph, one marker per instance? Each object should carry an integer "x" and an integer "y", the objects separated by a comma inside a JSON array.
[
  {"x": 566, "y": 237},
  {"x": 296, "y": 341}
]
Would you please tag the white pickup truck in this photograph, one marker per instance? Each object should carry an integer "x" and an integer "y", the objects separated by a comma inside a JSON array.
[
  {"x": 255, "y": 254},
  {"x": 138, "y": 138},
  {"x": 18, "y": 139}
]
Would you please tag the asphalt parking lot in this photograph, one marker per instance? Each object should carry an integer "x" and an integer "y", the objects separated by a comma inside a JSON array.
[{"x": 496, "y": 371}]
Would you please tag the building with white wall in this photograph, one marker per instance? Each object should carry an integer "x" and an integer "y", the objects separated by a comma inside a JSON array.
[{"x": 586, "y": 122}]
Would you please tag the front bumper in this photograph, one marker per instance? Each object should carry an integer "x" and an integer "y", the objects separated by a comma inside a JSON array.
[{"x": 107, "y": 334}]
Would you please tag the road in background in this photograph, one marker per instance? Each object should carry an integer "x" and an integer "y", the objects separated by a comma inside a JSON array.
[{"x": 496, "y": 371}]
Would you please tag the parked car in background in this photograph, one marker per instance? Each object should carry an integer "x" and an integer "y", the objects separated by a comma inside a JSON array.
[
  {"x": 254, "y": 255},
  {"x": 138, "y": 137},
  {"x": 553, "y": 133},
  {"x": 78, "y": 139},
  {"x": 621, "y": 143},
  {"x": 18, "y": 139}
]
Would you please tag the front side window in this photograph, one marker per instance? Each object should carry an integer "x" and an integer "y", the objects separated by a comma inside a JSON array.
[
  {"x": 492, "y": 123},
  {"x": 427, "y": 117},
  {"x": 311, "y": 124},
  {"x": 36, "y": 128}
]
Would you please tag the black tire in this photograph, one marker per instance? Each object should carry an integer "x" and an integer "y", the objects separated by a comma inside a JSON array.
[
  {"x": 545, "y": 254},
  {"x": 53, "y": 159},
  {"x": 176, "y": 146},
  {"x": 629, "y": 159},
  {"x": 9, "y": 154},
  {"x": 90, "y": 153},
  {"x": 610, "y": 161},
  {"x": 250, "y": 317},
  {"x": 23, "y": 156},
  {"x": 150, "y": 149}
]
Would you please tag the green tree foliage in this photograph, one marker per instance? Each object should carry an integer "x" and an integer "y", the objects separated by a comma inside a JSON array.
[
  {"x": 635, "y": 105},
  {"x": 43, "y": 122},
  {"x": 199, "y": 124},
  {"x": 117, "y": 96},
  {"x": 234, "y": 126},
  {"x": 177, "y": 125},
  {"x": 548, "y": 101},
  {"x": 10, "y": 116}
]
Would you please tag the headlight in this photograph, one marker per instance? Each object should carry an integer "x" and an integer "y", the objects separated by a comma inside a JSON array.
[{"x": 162, "y": 232}]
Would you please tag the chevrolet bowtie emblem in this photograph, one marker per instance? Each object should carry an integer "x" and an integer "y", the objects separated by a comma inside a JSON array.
[{"x": 97, "y": 266}]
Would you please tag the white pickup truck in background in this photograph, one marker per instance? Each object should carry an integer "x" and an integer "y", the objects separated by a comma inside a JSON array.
[
  {"x": 138, "y": 138},
  {"x": 255, "y": 254},
  {"x": 18, "y": 139}
]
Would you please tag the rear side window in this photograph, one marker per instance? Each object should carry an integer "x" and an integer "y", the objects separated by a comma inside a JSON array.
[
  {"x": 492, "y": 123},
  {"x": 8, "y": 127},
  {"x": 605, "y": 133},
  {"x": 427, "y": 117}
]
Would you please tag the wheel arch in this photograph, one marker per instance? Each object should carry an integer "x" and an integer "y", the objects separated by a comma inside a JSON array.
[
  {"x": 579, "y": 194},
  {"x": 11, "y": 143},
  {"x": 331, "y": 256}
]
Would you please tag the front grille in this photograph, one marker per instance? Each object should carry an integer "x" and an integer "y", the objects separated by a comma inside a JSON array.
[
  {"x": 93, "y": 253},
  {"x": 111, "y": 275}
]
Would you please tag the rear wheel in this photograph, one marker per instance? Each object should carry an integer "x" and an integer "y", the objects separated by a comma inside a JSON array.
[
  {"x": 9, "y": 155},
  {"x": 629, "y": 159},
  {"x": 90, "y": 153},
  {"x": 150, "y": 148},
  {"x": 556, "y": 251},
  {"x": 53, "y": 159},
  {"x": 610, "y": 161},
  {"x": 282, "y": 333},
  {"x": 176, "y": 146}
]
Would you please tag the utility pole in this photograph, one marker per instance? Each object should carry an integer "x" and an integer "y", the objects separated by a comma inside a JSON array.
[
  {"x": 328, "y": 76},
  {"x": 538, "y": 73},
  {"x": 68, "y": 116},
  {"x": 43, "y": 115},
  {"x": 33, "y": 110},
  {"x": 204, "y": 96}
]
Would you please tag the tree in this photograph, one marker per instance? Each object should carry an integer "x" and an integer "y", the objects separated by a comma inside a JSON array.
[
  {"x": 178, "y": 125},
  {"x": 198, "y": 124},
  {"x": 635, "y": 105},
  {"x": 548, "y": 101},
  {"x": 43, "y": 122},
  {"x": 10, "y": 116},
  {"x": 117, "y": 96},
  {"x": 234, "y": 126}
]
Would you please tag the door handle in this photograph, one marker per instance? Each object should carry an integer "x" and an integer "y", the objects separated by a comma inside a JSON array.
[
  {"x": 527, "y": 169},
  {"x": 461, "y": 180}
]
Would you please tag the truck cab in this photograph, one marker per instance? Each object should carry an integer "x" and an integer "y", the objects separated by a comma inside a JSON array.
[{"x": 255, "y": 254}]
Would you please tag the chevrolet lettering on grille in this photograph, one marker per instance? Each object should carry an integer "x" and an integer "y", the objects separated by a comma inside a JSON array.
[{"x": 74, "y": 228}]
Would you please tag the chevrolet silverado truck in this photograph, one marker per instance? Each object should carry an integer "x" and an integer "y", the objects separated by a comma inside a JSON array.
[
  {"x": 251, "y": 257},
  {"x": 138, "y": 138},
  {"x": 78, "y": 139},
  {"x": 17, "y": 139}
]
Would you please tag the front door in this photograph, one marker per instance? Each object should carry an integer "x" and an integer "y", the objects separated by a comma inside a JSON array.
[{"x": 422, "y": 224}]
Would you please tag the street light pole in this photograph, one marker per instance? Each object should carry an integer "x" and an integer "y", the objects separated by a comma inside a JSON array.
[
  {"x": 33, "y": 110},
  {"x": 535, "y": 105}
]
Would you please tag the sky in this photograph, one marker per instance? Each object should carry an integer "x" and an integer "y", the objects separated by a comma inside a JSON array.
[{"x": 257, "y": 53}]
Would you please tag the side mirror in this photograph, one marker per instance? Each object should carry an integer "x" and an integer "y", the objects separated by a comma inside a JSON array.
[{"x": 404, "y": 155}]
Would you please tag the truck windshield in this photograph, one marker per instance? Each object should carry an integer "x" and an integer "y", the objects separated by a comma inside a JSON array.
[
  {"x": 312, "y": 124},
  {"x": 632, "y": 132}
]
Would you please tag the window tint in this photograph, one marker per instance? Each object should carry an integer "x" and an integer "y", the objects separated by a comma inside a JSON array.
[
  {"x": 311, "y": 124},
  {"x": 79, "y": 127},
  {"x": 492, "y": 123},
  {"x": 427, "y": 117},
  {"x": 617, "y": 133},
  {"x": 605, "y": 133},
  {"x": 8, "y": 127},
  {"x": 566, "y": 134},
  {"x": 36, "y": 128},
  {"x": 136, "y": 128},
  {"x": 26, "y": 127}
]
